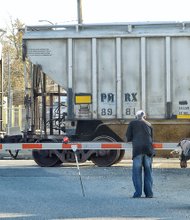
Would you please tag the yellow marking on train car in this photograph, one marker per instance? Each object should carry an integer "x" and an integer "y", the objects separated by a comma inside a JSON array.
[
  {"x": 183, "y": 116},
  {"x": 83, "y": 99}
]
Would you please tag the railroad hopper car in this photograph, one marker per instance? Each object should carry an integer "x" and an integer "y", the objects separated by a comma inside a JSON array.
[{"x": 108, "y": 72}]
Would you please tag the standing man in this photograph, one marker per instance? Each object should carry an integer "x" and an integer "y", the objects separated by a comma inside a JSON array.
[{"x": 140, "y": 133}]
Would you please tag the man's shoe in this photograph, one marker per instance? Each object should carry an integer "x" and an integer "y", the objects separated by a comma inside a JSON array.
[
  {"x": 149, "y": 196},
  {"x": 136, "y": 197}
]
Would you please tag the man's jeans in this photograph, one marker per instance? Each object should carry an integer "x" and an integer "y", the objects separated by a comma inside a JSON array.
[{"x": 139, "y": 162}]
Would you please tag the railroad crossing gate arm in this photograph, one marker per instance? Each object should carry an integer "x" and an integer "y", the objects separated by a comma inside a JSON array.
[{"x": 80, "y": 146}]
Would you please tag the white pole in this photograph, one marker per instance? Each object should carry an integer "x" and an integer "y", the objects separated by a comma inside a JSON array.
[
  {"x": 74, "y": 148},
  {"x": 9, "y": 115}
]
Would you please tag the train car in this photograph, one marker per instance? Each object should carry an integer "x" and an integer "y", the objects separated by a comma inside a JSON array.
[{"x": 106, "y": 72}]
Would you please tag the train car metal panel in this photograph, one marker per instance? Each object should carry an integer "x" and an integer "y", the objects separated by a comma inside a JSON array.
[{"x": 122, "y": 68}]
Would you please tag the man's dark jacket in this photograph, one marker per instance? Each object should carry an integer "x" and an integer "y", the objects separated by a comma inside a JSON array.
[{"x": 141, "y": 135}]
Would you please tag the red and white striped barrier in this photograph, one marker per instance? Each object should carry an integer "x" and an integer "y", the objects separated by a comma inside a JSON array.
[{"x": 79, "y": 146}]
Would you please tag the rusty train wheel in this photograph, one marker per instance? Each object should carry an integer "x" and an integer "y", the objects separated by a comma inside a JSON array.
[
  {"x": 105, "y": 158},
  {"x": 122, "y": 153},
  {"x": 46, "y": 158}
]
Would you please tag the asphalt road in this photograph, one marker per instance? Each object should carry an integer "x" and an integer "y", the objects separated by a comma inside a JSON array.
[{"x": 31, "y": 192}]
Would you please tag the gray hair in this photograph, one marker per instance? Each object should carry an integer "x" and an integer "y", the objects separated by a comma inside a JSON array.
[{"x": 140, "y": 114}]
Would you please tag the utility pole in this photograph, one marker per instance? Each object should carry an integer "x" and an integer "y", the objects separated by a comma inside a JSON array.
[{"x": 79, "y": 12}]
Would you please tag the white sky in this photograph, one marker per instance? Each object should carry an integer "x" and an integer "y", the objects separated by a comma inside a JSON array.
[{"x": 94, "y": 11}]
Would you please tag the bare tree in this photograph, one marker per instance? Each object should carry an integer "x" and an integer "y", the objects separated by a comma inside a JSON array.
[{"x": 12, "y": 60}]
